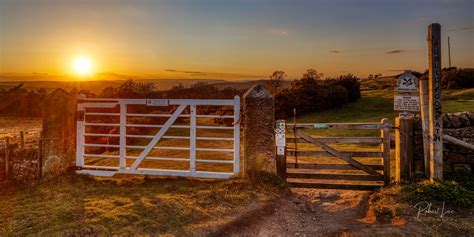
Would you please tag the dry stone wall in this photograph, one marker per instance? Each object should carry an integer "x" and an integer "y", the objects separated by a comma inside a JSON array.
[
  {"x": 20, "y": 164},
  {"x": 455, "y": 158}
]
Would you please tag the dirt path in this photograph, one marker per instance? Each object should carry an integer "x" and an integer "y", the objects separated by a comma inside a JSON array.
[{"x": 318, "y": 213}]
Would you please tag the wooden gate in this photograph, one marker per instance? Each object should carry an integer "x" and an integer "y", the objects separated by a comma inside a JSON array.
[{"x": 312, "y": 163}]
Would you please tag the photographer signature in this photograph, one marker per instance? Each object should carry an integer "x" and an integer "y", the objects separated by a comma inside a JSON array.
[{"x": 425, "y": 208}]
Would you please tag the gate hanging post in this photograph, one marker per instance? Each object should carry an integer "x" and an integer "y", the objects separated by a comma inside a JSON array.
[
  {"x": 385, "y": 133},
  {"x": 404, "y": 148},
  {"x": 280, "y": 142},
  {"x": 435, "y": 106}
]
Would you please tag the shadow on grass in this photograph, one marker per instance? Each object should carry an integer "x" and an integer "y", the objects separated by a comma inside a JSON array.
[{"x": 81, "y": 205}]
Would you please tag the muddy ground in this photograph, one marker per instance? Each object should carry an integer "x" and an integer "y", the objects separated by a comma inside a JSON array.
[{"x": 311, "y": 212}]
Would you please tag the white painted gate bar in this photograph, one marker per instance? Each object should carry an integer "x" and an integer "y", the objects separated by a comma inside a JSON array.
[{"x": 108, "y": 103}]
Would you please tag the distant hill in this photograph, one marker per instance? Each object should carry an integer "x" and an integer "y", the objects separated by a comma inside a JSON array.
[{"x": 99, "y": 85}]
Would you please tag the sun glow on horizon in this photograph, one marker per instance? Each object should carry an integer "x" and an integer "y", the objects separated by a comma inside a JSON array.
[{"x": 82, "y": 66}]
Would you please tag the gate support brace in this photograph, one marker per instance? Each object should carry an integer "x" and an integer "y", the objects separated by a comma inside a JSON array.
[{"x": 336, "y": 153}]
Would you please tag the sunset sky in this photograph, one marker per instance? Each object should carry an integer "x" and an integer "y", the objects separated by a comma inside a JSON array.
[{"x": 239, "y": 39}]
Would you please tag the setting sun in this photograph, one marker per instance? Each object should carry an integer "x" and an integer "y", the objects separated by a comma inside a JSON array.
[{"x": 82, "y": 66}]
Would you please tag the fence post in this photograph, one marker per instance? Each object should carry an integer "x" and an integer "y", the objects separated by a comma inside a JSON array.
[
  {"x": 259, "y": 120},
  {"x": 425, "y": 123},
  {"x": 22, "y": 139},
  {"x": 404, "y": 148},
  {"x": 40, "y": 155},
  {"x": 7, "y": 158},
  {"x": 386, "y": 149},
  {"x": 435, "y": 103}
]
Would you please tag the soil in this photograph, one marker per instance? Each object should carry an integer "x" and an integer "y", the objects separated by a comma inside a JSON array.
[{"x": 313, "y": 212}]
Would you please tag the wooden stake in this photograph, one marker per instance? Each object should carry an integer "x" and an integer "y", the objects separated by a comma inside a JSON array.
[
  {"x": 7, "y": 157},
  {"x": 435, "y": 106},
  {"x": 22, "y": 139},
  {"x": 425, "y": 123},
  {"x": 40, "y": 156}
]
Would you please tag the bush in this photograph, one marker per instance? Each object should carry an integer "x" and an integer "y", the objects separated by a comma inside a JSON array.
[
  {"x": 451, "y": 191},
  {"x": 453, "y": 78},
  {"x": 311, "y": 94}
]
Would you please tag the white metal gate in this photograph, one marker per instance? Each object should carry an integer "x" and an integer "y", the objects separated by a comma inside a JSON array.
[{"x": 111, "y": 133}]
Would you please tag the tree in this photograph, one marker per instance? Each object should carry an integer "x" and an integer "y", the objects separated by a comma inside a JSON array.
[
  {"x": 275, "y": 81},
  {"x": 313, "y": 74}
]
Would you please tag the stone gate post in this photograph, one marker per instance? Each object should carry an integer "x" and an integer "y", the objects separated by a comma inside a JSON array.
[
  {"x": 59, "y": 132},
  {"x": 259, "y": 122}
]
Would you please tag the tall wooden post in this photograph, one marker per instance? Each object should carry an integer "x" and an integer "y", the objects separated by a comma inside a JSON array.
[
  {"x": 435, "y": 107},
  {"x": 425, "y": 123}
]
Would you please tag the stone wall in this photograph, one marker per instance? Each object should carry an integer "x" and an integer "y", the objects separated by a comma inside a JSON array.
[
  {"x": 455, "y": 158},
  {"x": 22, "y": 164}
]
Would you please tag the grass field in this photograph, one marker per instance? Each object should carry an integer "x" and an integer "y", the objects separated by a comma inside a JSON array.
[
  {"x": 80, "y": 205},
  {"x": 377, "y": 103}
]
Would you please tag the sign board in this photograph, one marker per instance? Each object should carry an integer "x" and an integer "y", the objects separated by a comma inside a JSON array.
[
  {"x": 407, "y": 82},
  {"x": 280, "y": 139},
  {"x": 157, "y": 102},
  {"x": 280, "y": 133},
  {"x": 280, "y": 150},
  {"x": 406, "y": 103}
]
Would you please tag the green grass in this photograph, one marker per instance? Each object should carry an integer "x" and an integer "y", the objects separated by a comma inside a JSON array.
[
  {"x": 377, "y": 103},
  {"x": 131, "y": 205}
]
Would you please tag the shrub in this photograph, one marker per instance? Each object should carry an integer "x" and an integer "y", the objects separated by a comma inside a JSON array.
[
  {"x": 454, "y": 78},
  {"x": 311, "y": 94},
  {"x": 453, "y": 192}
]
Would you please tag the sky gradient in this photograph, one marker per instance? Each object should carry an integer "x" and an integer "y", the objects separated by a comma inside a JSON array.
[{"x": 230, "y": 39}]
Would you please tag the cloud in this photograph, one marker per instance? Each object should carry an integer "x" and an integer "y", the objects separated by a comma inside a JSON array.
[
  {"x": 213, "y": 74},
  {"x": 397, "y": 51},
  {"x": 279, "y": 32},
  {"x": 462, "y": 28},
  {"x": 186, "y": 72},
  {"x": 334, "y": 51}
]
